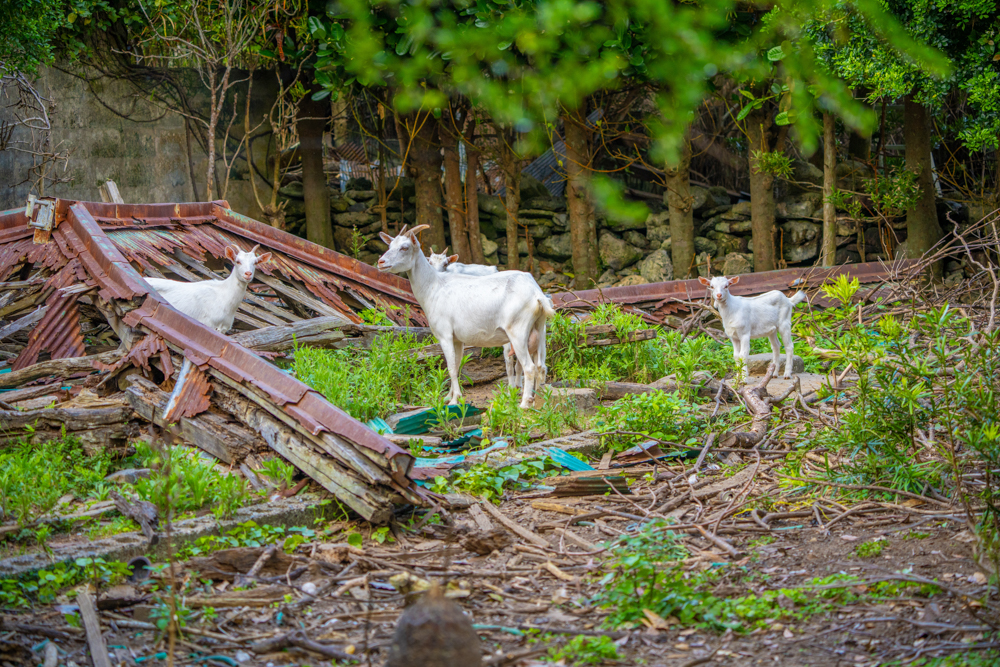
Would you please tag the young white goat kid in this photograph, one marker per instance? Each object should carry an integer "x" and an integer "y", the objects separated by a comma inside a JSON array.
[
  {"x": 481, "y": 311},
  {"x": 450, "y": 264},
  {"x": 213, "y": 302},
  {"x": 746, "y": 318}
]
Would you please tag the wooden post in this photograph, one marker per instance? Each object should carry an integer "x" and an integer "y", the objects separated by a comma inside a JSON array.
[
  {"x": 109, "y": 193},
  {"x": 829, "y": 248}
]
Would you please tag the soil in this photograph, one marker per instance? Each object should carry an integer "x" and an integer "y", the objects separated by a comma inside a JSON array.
[{"x": 536, "y": 592}]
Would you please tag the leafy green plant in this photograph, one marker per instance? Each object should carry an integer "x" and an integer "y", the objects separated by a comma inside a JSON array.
[
  {"x": 279, "y": 472},
  {"x": 483, "y": 481},
  {"x": 661, "y": 415},
  {"x": 584, "y": 650},
  {"x": 774, "y": 163},
  {"x": 44, "y": 585},
  {"x": 183, "y": 481},
  {"x": 870, "y": 549}
]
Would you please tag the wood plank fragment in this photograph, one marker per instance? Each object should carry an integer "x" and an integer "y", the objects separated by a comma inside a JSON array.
[
  {"x": 58, "y": 367},
  {"x": 482, "y": 521},
  {"x": 512, "y": 526},
  {"x": 92, "y": 626}
]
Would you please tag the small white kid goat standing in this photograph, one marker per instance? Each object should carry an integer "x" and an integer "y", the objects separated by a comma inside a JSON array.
[
  {"x": 450, "y": 264},
  {"x": 747, "y": 318},
  {"x": 481, "y": 311},
  {"x": 213, "y": 302}
]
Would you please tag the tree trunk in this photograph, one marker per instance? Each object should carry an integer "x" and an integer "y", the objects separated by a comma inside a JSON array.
[
  {"x": 761, "y": 196},
  {"x": 922, "y": 228},
  {"x": 679, "y": 204},
  {"x": 454, "y": 199},
  {"x": 311, "y": 124},
  {"x": 425, "y": 164},
  {"x": 512, "y": 194},
  {"x": 472, "y": 197},
  {"x": 829, "y": 248},
  {"x": 582, "y": 227},
  {"x": 339, "y": 111}
]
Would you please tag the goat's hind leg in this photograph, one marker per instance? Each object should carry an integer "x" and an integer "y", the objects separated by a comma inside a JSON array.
[
  {"x": 786, "y": 338},
  {"x": 520, "y": 346},
  {"x": 775, "y": 349}
]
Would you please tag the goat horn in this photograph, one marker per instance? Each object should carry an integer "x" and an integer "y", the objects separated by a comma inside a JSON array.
[
  {"x": 254, "y": 249},
  {"x": 416, "y": 230},
  {"x": 446, "y": 250},
  {"x": 403, "y": 230}
]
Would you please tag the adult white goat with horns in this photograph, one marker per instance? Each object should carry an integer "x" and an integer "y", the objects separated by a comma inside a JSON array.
[{"x": 481, "y": 311}]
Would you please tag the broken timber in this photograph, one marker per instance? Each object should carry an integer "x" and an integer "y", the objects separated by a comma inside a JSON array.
[{"x": 206, "y": 388}]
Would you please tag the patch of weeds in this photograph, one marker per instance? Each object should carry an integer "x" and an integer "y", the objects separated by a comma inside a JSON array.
[
  {"x": 483, "y": 481},
  {"x": 280, "y": 473},
  {"x": 116, "y": 526},
  {"x": 249, "y": 534},
  {"x": 962, "y": 659},
  {"x": 34, "y": 477},
  {"x": 915, "y": 535},
  {"x": 182, "y": 481},
  {"x": 871, "y": 548},
  {"x": 43, "y": 586},
  {"x": 506, "y": 418},
  {"x": 367, "y": 383},
  {"x": 585, "y": 650},
  {"x": 658, "y": 415},
  {"x": 761, "y": 541}
]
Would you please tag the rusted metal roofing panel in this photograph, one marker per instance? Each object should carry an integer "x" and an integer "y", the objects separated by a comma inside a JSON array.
[
  {"x": 58, "y": 332},
  {"x": 190, "y": 395},
  {"x": 659, "y": 295},
  {"x": 315, "y": 255}
]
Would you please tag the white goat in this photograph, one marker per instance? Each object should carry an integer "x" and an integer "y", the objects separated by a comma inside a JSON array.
[
  {"x": 746, "y": 318},
  {"x": 484, "y": 311},
  {"x": 450, "y": 264},
  {"x": 213, "y": 302}
]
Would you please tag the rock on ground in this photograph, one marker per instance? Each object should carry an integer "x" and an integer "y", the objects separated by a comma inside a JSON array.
[
  {"x": 616, "y": 253},
  {"x": 657, "y": 267}
]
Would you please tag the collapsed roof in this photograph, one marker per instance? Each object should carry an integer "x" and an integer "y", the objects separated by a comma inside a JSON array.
[{"x": 75, "y": 262}]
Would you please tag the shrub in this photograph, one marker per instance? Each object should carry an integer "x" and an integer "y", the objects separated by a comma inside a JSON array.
[{"x": 660, "y": 415}]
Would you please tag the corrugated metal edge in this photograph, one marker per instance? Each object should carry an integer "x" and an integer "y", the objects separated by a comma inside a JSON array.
[
  {"x": 190, "y": 396},
  {"x": 58, "y": 332}
]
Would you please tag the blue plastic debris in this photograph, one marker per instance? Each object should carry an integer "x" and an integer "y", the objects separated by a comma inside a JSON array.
[
  {"x": 416, "y": 422},
  {"x": 380, "y": 426},
  {"x": 567, "y": 460}
]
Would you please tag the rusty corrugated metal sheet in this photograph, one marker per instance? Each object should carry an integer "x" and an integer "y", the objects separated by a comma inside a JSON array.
[
  {"x": 190, "y": 396},
  {"x": 58, "y": 332},
  {"x": 674, "y": 292}
]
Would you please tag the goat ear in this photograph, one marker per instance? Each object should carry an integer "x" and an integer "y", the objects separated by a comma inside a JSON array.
[
  {"x": 263, "y": 258},
  {"x": 453, "y": 259},
  {"x": 734, "y": 280},
  {"x": 704, "y": 281},
  {"x": 230, "y": 253},
  {"x": 385, "y": 238}
]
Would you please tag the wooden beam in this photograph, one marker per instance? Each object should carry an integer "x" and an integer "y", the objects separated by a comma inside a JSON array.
[
  {"x": 109, "y": 192},
  {"x": 59, "y": 367},
  {"x": 92, "y": 624},
  {"x": 317, "y": 331}
]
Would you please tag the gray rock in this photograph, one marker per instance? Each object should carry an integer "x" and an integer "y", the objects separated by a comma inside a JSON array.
[
  {"x": 617, "y": 253},
  {"x": 559, "y": 246},
  {"x": 845, "y": 256},
  {"x": 801, "y": 240},
  {"x": 607, "y": 279},
  {"x": 635, "y": 238},
  {"x": 725, "y": 243},
  {"x": 352, "y": 219},
  {"x": 665, "y": 245},
  {"x": 489, "y": 247},
  {"x": 852, "y": 175},
  {"x": 585, "y": 399},
  {"x": 532, "y": 188},
  {"x": 702, "y": 260},
  {"x": 757, "y": 363},
  {"x": 657, "y": 267},
  {"x": 801, "y": 205},
  {"x": 699, "y": 198},
  {"x": 657, "y": 235},
  {"x": 337, "y": 204},
  {"x": 128, "y": 475},
  {"x": 618, "y": 225},
  {"x": 628, "y": 281},
  {"x": 717, "y": 197},
  {"x": 740, "y": 208},
  {"x": 360, "y": 195},
  {"x": 718, "y": 210},
  {"x": 545, "y": 203},
  {"x": 806, "y": 172},
  {"x": 492, "y": 205},
  {"x": 542, "y": 216},
  {"x": 736, "y": 264},
  {"x": 561, "y": 221},
  {"x": 540, "y": 231},
  {"x": 733, "y": 226},
  {"x": 702, "y": 244}
]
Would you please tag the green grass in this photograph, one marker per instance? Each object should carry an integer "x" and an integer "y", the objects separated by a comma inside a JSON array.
[{"x": 870, "y": 549}]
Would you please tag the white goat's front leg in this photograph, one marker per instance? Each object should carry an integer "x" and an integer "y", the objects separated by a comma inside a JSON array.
[
  {"x": 543, "y": 370},
  {"x": 775, "y": 349},
  {"x": 745, "y": 356},
  {"x": 786, "y": 338},
  {"x": 737, "y": 357},
  {"x": 448, "y": 348}
]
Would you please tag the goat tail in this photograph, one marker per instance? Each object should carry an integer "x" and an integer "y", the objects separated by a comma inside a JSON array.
[
  {"x": 799, "y": 297},
  {"x": 546, "y": 307}
]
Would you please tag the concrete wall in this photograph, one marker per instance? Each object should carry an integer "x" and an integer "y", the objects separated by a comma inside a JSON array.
[{"x": 113, "y": 134}]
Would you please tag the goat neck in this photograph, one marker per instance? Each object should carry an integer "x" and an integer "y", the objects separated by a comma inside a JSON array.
[{"x": 423, "y": 277}]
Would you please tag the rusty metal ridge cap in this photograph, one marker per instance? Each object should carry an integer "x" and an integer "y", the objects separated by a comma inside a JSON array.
[
  {"x": 316, "y": 255},
  {"x": 750, "y": 283},
  {"x": 121, "y": 279}
]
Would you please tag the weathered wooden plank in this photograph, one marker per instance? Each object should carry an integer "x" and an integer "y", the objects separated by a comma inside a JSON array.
[
  {"x": 92, "y": 624},
  {"x": 24, "y": 322},
  {"x": 372, "y": 503},
  {"x": 300, "y": 296},
  {"x": 209, "y": 431},
  {"x": 286, "y": 336},
  {"x": 60, "y": 367},
  {"x": 73, "y": 419}
]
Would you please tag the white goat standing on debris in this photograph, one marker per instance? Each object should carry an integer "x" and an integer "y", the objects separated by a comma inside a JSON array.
[
  {"x": 484, "y": 311},
  {"x": 213, "y": 302},
  {"x": 450, "y": 264},
  {"x": 747, "y": 318}
]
